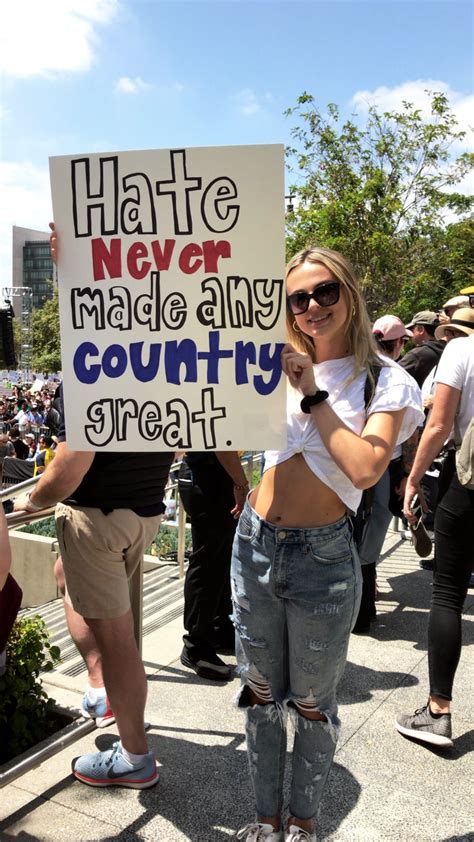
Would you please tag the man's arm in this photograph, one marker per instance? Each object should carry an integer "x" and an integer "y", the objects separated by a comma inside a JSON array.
[
  {"x": 62, "y": 476},
  {"x": 230, "y": 461}
]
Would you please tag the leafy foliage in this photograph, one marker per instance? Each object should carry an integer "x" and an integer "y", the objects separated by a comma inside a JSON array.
[
  {"x": 46, "y": 339},
  {"x": 25, "y": 709},
  {"x": 379, "y": 193},
  {"x": 45, "y": 527}
]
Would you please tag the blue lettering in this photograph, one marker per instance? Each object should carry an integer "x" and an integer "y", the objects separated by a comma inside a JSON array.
[
  {"x": 268, "y": 362},
  {"x": 213, "y": 356},
  {"x": 83, "y": 373},
  {"x": 244, "y": 354},
  {"x": 177, "y": 353},
  {"x": 114, "y": 361},
  {"x": 147, "y": 372}
]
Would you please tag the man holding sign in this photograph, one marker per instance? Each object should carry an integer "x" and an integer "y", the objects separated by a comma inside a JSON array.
[{"x": 111, "y": 512}]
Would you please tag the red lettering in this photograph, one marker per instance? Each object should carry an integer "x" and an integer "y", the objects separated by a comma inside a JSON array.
[
  {"x": 136, "y": 252},
  {"x": 212, "y": 252},
  {"x": 185, "y": 258},
  {"x": 163, "y": 257},
  {"x": 103, "y": 258}
]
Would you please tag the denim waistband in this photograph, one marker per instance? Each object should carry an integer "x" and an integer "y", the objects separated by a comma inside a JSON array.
[{"x": 295, "y": 534}]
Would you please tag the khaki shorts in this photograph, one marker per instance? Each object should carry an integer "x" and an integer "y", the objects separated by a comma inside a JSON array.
[{"x": 99, "y": 554}]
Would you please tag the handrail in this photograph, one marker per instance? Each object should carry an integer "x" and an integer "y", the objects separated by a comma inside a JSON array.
[{"x": 12, "y": 491}]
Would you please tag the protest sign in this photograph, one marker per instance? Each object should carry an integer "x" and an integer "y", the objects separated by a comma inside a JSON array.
[{"x": 172, "y": 299}]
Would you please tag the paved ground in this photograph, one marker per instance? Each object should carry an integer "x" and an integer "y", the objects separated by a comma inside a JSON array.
[{"x": 382, "y": 787}]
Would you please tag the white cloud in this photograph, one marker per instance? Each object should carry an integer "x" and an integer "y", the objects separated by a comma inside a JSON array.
[
  {"x": 415, "y": 92},
  {"x": 250, "y": 103},
  {"x": 26, "y": 201},
  {"x": 126, "y": 85},
  {"x": 51, "y": 37}
]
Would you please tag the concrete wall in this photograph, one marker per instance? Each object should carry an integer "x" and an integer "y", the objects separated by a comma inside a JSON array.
[{"x": 33, "y": 558}]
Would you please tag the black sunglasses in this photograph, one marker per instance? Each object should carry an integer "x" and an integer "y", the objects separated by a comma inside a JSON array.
[
  {"x": 325, "y": 295},
  {"x": 471, "y": 299}
]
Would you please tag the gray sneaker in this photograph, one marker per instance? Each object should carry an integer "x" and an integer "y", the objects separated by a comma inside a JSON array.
[{"x": 423, "y": 726}]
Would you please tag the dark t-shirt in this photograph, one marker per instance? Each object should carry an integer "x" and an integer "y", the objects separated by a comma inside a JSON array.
[
  {"x": 21, "y": 449},
  {"x": 422, "y": 359}
]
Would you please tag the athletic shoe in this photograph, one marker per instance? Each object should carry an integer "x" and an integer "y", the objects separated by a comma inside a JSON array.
[
  {"x": 297, "y": 834},
  {"x": 99, "y": 710},
  {"x": 256, "y": 832},
  {"x": 110, "y": 768},
  {"x": 422, "y": 725},
  {"x": 210, "y": 667},
  {"x": 421, "y": 540}
]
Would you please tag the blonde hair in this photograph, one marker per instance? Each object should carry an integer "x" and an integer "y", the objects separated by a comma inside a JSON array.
[{"x": 358, "y": 330}]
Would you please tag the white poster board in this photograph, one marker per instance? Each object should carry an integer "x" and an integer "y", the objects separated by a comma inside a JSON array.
[{"x": 172, "y": 298}]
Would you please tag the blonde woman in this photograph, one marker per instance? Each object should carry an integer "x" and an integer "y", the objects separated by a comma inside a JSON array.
[{"x": 295, "y": 574}]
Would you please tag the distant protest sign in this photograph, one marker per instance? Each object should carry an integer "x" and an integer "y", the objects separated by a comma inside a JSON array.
[{"x": 172, "y": 299}]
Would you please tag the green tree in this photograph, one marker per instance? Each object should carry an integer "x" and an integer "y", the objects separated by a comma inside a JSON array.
[
  {"x": 378, "y": 192},
  {"x": 443, "y": 264},
  {"x": 46, "y": 340}
]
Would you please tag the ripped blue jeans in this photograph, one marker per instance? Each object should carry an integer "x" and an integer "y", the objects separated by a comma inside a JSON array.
[{"x": 296, "y": 595}]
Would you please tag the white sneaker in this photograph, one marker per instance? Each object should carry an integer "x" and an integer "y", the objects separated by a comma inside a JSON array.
[
  {"x": 297, "y": 834},
  {"x": 259, "y": 833}
]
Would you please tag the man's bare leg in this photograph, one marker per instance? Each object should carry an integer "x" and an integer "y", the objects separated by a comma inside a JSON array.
[
  {"x": 81, "y": 634},
  {"x": 120, "y": 668},
  {"x": 125, "y": 678}
]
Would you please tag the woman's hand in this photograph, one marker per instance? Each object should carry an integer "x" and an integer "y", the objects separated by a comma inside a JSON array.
[
  {"x": 411, "y": 490},
  {"x": 53, "y": 242},
  {"x": 299, "y": 370}
]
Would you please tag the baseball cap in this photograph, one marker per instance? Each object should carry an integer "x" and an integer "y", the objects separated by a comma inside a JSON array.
[
  {"x": 390, "y": 327},
  {"x": 462, "y": 320},
  {"x": 424, "y": 317},
  {"x": 457, "y": 301},
  {"x": 467, "y": 290}
]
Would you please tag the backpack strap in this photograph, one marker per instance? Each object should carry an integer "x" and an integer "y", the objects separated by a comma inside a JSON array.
[
  {"x": 369, "y": 387},
  {"x": 365, "y": 506}
]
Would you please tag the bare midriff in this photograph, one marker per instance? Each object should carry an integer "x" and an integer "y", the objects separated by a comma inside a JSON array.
[{"x": 289, "y": 494}]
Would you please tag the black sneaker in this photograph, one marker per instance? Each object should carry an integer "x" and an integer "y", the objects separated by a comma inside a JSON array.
[
  {"x": 422, "y": 725},
  {"x": 421, "y": 540},
  {"x": 210, "y": 667}
]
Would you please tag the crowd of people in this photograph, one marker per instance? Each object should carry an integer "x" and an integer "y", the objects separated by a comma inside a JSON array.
[
  {"x": 28, "y": 428},
  {"x": 364, "y": 422}
]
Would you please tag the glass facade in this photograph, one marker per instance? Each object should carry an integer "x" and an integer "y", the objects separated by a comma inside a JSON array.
[{"x": 38, "y": 270}]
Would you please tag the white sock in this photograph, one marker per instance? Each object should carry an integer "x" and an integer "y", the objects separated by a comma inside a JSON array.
[
  {"x": 95, "y": 693},
  {"x": 133, "y": 759}
]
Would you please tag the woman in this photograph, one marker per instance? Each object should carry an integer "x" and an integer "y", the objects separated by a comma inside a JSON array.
[
  {"x": 453, "y": 405},
  {"x": 295, "y": 574}
]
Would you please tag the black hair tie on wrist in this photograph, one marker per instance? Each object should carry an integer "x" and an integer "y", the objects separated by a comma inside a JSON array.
[{"x": 311, "y": 400}]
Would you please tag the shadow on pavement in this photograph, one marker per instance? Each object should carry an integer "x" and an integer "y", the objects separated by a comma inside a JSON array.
[
  {"x": 358, "y": 682},
  {"x": 205, "y": 790}
]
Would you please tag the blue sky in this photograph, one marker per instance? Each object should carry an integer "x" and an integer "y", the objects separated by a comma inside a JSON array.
[{"x": 100, "y": 75}]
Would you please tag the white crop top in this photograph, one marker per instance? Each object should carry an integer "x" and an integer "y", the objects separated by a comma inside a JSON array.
[{"x": 396, "y": 389}]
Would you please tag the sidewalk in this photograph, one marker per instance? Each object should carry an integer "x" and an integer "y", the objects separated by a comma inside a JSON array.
[{"x": 382, "y": 786}]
